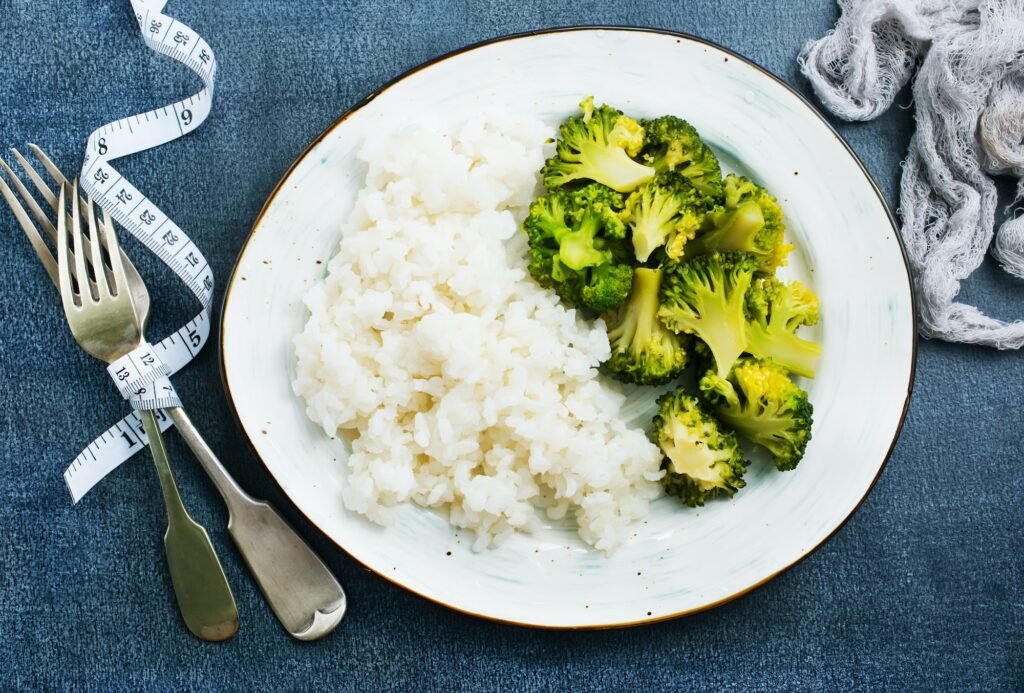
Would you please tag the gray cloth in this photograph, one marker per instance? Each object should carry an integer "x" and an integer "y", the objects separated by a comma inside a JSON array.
[
  {"x": 920, "y": 590},
  {"x": 969, "y": 101}
]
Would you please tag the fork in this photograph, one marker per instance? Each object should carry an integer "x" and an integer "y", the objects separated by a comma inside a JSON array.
[
  {"x": 102, "y": 318},
  {"x": 302, "y": 592}
]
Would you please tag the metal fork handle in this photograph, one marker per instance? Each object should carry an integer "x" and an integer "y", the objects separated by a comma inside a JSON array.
[
  {"x": 303, "y": 593},
  {"x": 200, "y": 586}
]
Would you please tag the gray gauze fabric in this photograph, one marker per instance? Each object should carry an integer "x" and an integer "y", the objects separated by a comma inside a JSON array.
[{"x": 969, "y": 100}]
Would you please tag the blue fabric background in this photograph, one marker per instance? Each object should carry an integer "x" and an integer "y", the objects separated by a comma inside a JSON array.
[{"x": 921, "y": 589}]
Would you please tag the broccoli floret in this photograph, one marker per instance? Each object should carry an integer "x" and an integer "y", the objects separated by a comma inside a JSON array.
[
  {"x": 703, "y": 458},
  {"x": 577, "y": 247},
  {"x": 597, "y": 146},
  {"x": 595, "y": 289},
  {"x": 541, "y": 265},
  {"x": 760, "y": 401},
  {"x": 666, "y": 211},
  {"x": 546, "y": 225},
  {"x": 605, "y": 287},
  {"x": 775, "y": 310},
  {"x": 705, "y": 296},
  {"x": 749, "y": 220},
  {"x": 670, "y": 143},
  {"x": 550, "y": 219},
  {"x": 596, "y": 193},
  {"x": 643, "y": 351},
  {"x": 580, "y": 248},
  {"x": 602, "y": 201}
]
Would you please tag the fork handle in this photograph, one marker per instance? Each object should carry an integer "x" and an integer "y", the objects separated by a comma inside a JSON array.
[
  {"x": 301, "y": 590},
  {"x": 200, "y": 586}
]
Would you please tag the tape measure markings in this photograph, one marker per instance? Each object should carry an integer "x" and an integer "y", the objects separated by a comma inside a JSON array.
[
  {"x": 149, "y": 389},
  {"x": 123, "y": 439}
]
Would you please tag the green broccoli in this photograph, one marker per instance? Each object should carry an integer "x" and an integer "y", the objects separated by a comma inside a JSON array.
[
  {"x": 703, "y": 458},
  {"x": 603, "y": 202},
  {"x": 595, "y": 289},
  {"x": 774, "y": 312},
  {"x": 749, "y": 220},
  {"x": 665, "y": 211},
  {"x": 701, "y": 358},
  {"x": 760, "y": 401},
  {"x": 597, "y": 147},
  {"x": 596, "y": 193},
  {"x": 643, "y": 351},
  {"x": 576, "y": 247},
  {"x": 705, "y": 296},
  {"x": 605, "y": 287},
  {"x": 670, "y": 143},
  {"x": 580, "y": 248}
]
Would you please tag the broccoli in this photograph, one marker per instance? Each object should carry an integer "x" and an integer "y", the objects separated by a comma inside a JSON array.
[
  {"x": 705, "y": 296},
  {"x": 605, "y": 287},
  {"x": 597, "y": 147},
  {"x": 774, "y": 312},
  {"x": 668, "y": 210},
  {"x": 601, "y": 200},
  {"x": 750, "y": 220},
  {"x": 576, "y": 247},
  {"x": 643, "y": 351},
  {"x": 580, "y": 248},
  {"x": 760, "y": 401},
  {"x": 595, "y": 289},
  {"x": 596, "y": 193},
  {"x": 671, "y": 143},
  {"x": 703, "y": 458},
  {"x": 701, "y": 358}
]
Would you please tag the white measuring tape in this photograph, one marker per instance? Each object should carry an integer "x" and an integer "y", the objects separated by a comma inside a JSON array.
[{"x": 141, "y": 376}]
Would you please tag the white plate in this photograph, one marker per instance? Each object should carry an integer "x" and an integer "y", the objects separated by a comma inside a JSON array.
[{"x": 681, "y": 560}]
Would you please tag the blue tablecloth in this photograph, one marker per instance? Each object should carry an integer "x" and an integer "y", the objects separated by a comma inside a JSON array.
[{"x": 921, "y": 589}]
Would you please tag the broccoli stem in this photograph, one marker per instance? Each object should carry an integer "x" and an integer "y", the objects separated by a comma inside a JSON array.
[
  {"x": 576, "y": 248},
  {"x": 735, "y": 232},
  {"x": 720, "y": 324},
  {"x": 796, "y": 355},
  {"x": 726, "y": 343},
  {"x": 613, "y": 167},
  {"x": 644, "y": 305},
  {"x": 651, "y": 229},
  {"x": 578, "y": 252},
  {"x": 743, "y": 224},
  {"x": 756, "y": 428},
  {"x": 693, "y": 457},
  {"x": 640, "y": 313}
]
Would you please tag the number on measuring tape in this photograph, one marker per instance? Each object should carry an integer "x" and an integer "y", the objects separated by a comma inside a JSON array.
[{"x": 142, "y": 376}]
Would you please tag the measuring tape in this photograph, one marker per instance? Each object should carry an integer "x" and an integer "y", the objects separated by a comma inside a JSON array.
[{"x": 146, "y": 385}]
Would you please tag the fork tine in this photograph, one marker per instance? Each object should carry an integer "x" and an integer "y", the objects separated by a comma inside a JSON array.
[
  {"x": 37, "y": 211},
  {"x": 34, "y": 176},
  {"x": 38, "y": 245},
  {"x": 101, "y": 233},
  {"x": 40, "y": 184},
  {"x": 119, "y": 280},
  {"x": 102, "y": 278},
  {"x": 67, "y": 293},
  {"x": 48, "y": 164},
  {"x": 37, "y": 179},
  {"x": 84, "y": 288}
]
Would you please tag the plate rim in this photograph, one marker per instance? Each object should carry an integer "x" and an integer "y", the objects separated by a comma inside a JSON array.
[{"x": 232, "y": 278}]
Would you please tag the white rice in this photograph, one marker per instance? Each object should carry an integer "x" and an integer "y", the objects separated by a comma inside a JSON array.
[{"x": 467, "y": 387}]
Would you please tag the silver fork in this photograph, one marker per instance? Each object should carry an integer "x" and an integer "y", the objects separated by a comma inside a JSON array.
[
  {"x": 304, "y": 595},
  {"x": 102, "y": 318}
]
